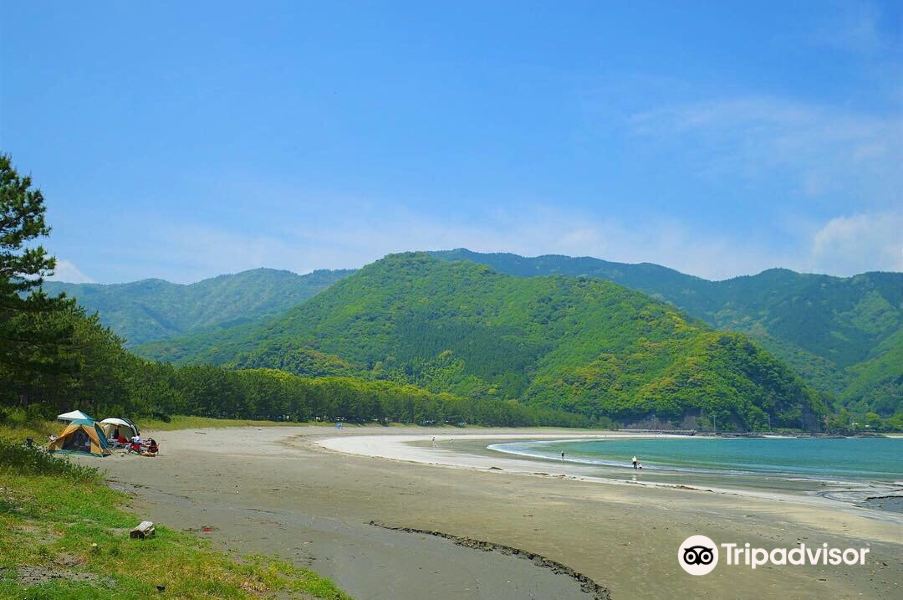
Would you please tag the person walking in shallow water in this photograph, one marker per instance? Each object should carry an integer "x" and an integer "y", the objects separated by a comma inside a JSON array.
[{"x": 636, "y": 463}]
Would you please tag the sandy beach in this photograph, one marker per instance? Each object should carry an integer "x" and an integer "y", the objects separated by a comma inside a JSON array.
[{"x": 310, "y": 494}]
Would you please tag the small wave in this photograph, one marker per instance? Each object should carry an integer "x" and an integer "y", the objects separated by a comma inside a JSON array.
[{"x": 580, "y": 461}]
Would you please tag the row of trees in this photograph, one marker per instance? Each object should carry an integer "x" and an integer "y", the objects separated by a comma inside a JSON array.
[{"x": 87, "y": 368}]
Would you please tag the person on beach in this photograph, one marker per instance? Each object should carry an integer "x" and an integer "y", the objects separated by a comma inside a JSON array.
[
  {"x": 152, "y": 448},
  {"x": 562, "y": 456},
  {"x": 636, "y": 463}
]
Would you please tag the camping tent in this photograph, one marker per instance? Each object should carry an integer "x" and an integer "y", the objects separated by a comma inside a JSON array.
[
  {"x": 75, "y": 415},
  {"x": 114, "y": 428},
  {"x": 82, "y": 436}
]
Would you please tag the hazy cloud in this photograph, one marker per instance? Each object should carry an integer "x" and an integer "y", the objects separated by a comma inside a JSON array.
[
  {"x": 353, "y": 235},
  {"x": 857, "y": 243},
  {"x": 347, "y": 241},
  {"x": 821, "y": 150},
  {"x": 68, "y": 272}
]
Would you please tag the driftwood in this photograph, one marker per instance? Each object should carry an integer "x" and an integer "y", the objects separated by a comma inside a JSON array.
[{"x": 144, "y": 530}]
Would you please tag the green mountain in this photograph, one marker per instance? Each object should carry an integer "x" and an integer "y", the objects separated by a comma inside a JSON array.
[
  {"x": 842, "y": 335},
  {"x": 583, "y": 345},
  {"x": 154, "y": 309}
]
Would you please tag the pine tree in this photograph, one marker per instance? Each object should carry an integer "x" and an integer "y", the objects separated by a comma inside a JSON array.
[{"x": 32, "y": 346}]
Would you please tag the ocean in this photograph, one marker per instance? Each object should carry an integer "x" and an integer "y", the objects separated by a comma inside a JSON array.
[{"x": 875, "y": 459}]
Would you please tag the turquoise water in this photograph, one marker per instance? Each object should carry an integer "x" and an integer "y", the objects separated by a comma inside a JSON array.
[{"x": 816, "y": 458}]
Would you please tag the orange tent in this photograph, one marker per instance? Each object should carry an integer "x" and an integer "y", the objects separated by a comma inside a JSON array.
[{"x": 81, "y": 436}]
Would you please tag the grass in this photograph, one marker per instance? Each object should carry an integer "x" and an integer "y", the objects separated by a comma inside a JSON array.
[
  {"x": 61, "y": 524},
  {"x": 187, "y": 422},
  {"x": 38, "y": 430}
]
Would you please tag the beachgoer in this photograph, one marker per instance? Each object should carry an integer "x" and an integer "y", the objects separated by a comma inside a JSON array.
[
  {"x": 152, "y": 448},
  {"x": 562, "y": 456},
  {"x": 434, "y": 441},
  {"x": 636, "y": 463}
]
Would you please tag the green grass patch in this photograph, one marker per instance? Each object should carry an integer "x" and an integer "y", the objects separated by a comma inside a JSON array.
[
  {"x": 64, "y": 535},
  {"x": 188, "y": 422},
  {"x": 16, "y": 425}
]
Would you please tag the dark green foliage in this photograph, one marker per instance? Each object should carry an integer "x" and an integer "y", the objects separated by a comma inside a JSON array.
[
  {"x": 21, "y": 460},
  {"x": 31, "y": 345},
  {"x": 585, "y": 346},
  {"x": 301, "y": 361},
  {"x": 842, "y": 335},
  {"x": 106, "y": 380},
  {"x": 21, "y": 221},
  {"x": 876, "y": 384},
  {"x": 274, "y": 394},
  {"x": 154, "y": 309}
]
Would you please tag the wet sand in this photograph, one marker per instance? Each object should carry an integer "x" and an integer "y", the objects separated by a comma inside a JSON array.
[{"x": 278, "y": 490}]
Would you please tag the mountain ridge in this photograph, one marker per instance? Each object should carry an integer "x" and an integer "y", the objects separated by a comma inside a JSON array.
[
  {"x": 822, "y": 325},
  {"x": 153, "y": 309},
  {"x": 588, "y": 346},
  {"x": 836, "y": 332}
]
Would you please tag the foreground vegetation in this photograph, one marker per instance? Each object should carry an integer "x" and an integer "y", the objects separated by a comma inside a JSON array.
[{"x": 63, "y": 534}]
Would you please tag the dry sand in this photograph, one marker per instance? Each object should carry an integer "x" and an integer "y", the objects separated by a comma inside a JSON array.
[{"x": 309, "y": 494}]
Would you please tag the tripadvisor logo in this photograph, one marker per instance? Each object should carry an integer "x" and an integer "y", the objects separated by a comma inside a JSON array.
[{"x": 698, "y": 555}]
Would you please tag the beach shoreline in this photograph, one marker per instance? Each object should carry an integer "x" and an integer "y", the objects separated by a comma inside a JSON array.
[
  {"x": 293, "y": 492},
  {"x": 481, "y": 452}
]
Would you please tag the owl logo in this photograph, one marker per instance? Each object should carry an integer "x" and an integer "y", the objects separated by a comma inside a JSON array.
[{"x": 698, "y": 555}]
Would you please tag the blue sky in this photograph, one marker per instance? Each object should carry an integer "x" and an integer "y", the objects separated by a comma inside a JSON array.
[{"x": 187, "y": 139}]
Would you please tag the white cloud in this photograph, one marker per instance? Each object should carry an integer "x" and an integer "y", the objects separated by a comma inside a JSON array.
[
  {"x": 858, "y": 243},
  {"x": 820, "y": 150},
  {"x": 67, "y": 271}
]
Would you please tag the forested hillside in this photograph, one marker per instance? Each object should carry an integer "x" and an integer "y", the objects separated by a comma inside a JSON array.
[
  {"x": 582, "y": 345},
  {"x": 79, "y": 363},
  {"x": 153, "y": 309},
  {"x": 842, "y": 335}
]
